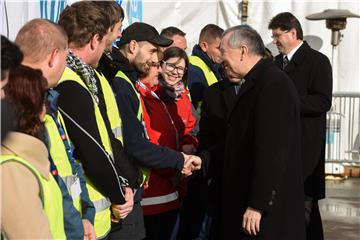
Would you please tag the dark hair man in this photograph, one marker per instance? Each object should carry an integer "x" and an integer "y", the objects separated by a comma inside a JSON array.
[
  {"x": 116, "y": 16},
  {"x": 311, "y": 73},
  {"x": 205, "y": 63},
  {"x": 175, "y": 34}
]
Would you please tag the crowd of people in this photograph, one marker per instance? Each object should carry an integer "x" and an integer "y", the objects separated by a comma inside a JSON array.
[{"x": 133, "y": 139}]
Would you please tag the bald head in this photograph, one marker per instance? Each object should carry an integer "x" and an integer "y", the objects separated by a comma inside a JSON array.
[{"x": 39, "y": 37}]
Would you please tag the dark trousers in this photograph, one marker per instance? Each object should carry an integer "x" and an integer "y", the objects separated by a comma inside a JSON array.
[
  {"x": 130, "y": 228},
  {"x": 161, "y": 226},
  {"x": 314, "y": 228},
  {"x": 194, "y": 208}
]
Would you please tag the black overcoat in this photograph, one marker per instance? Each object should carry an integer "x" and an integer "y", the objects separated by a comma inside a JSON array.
[
  {"x": 262, "y": 167},
  {"x": 311, "y": 73}
]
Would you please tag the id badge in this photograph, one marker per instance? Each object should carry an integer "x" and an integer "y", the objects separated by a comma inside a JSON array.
[{"x": 75, "y": 189}]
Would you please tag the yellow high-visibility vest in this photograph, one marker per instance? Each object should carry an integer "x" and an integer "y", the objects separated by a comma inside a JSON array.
[
  {"x": 59, "y": 155},
  {"x": 145, "y": 171},
  {"x": 102, "y": 222},
  {"x": 209, "y": 74},
  {"x": 111, "y": 107},
  {"x": 50, "y": 195}
]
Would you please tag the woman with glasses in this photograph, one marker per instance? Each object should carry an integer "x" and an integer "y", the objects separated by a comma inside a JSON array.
[
  {"x": 169, "y": 120},
  {"x": 31, "y": 200}
]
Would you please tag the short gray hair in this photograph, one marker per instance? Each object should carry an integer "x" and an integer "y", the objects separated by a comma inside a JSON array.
[{"x": 246, "y": 35}]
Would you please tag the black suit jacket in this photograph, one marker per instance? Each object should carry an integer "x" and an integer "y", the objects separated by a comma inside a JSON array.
[
  {"x": 311, "y": 73},
  {"x": 262, "y": 167}
]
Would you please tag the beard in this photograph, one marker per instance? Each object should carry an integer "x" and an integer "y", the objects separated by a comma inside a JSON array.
[{"x": 141, "y": 67}]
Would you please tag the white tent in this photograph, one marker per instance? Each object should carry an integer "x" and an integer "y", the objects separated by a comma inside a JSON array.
[{"x": 192, "y": 15}]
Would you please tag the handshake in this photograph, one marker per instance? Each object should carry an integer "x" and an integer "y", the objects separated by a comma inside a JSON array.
[{"x": 191, "y": 163}]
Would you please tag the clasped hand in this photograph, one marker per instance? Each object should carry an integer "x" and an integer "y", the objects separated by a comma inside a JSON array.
[
  {"x": 191, "y": 163},
  {"x": 120, "y": 211}
]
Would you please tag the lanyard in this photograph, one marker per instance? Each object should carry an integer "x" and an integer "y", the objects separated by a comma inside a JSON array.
[
  {"x": 143, "y": 86},
  {"x": 66, "y": 141}
]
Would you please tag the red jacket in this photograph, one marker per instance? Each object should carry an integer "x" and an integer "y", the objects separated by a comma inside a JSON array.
[{"x": 164, "y": 120}]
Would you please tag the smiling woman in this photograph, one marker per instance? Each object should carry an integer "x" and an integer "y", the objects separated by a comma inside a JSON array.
[
  {"x": 174, "y": 66},
  {"x": 169, "y": 121}
]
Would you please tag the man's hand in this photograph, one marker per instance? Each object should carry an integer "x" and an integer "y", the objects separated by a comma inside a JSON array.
[
  {"x": 194, "y": 162},
  {"x": 187, "y": 167},
  {"x": 191, "y": 163},
  {"x": 89, "y": 231},
  {"x": 120, "y": 211},
  {"x": 251, "y": 221}
]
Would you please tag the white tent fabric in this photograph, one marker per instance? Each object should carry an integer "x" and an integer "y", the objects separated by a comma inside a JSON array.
[{"x": 191, "y": 16}]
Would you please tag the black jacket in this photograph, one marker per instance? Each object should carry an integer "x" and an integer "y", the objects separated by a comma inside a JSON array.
[
  {"x": 262, "y": 166},
  {"x": 146, "y": 153},
  {"x": 217, "y": 101},
  {"x": 77, "y": 102},
  {"x": 311, "y": 73}
]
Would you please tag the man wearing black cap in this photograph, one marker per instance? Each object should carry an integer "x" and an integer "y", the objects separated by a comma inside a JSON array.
[{"x": 131, "y": 60}]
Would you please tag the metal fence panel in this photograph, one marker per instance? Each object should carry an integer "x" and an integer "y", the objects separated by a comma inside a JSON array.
[{"x": 342, "y": 132}]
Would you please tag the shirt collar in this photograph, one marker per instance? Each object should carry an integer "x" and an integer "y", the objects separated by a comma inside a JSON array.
[{"x": 292, "y": 52}]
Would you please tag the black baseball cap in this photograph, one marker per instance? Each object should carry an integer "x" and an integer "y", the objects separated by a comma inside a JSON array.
[{"x": 140, "y": 31}]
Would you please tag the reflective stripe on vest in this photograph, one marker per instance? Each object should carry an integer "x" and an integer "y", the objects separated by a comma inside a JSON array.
[
  {"x": 160, "y": 199},
  {"x": 111, "y": 107},
  {"x": 50, "y": 194},
  {"x": 102, "y": 204},
  {"x": 145, "y": 171},
  {"x": 60, "y": 157},
  {"x": 209, "y": 74},
  {"x": 102, "y": 222}
]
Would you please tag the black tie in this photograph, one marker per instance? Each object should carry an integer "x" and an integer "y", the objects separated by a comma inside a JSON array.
[{"x": 285, "y": 62}]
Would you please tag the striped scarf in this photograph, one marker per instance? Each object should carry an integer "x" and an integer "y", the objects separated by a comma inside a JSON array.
[{"x": 85, "y": 72}]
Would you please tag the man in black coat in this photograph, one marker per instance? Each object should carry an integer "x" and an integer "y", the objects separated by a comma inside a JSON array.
[
  {"x": 262, "y": 186},
  {"x": 311, "y": 73}
]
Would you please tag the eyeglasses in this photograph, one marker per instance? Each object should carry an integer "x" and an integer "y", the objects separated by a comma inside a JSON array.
[
  {"x": 154, "y": 64},
  {"x": 278, "y": 35},
  {"x": 171, "y": 67}
]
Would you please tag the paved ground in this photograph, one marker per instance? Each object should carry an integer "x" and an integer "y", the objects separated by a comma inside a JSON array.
[{"x": 341, "y": 210}]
